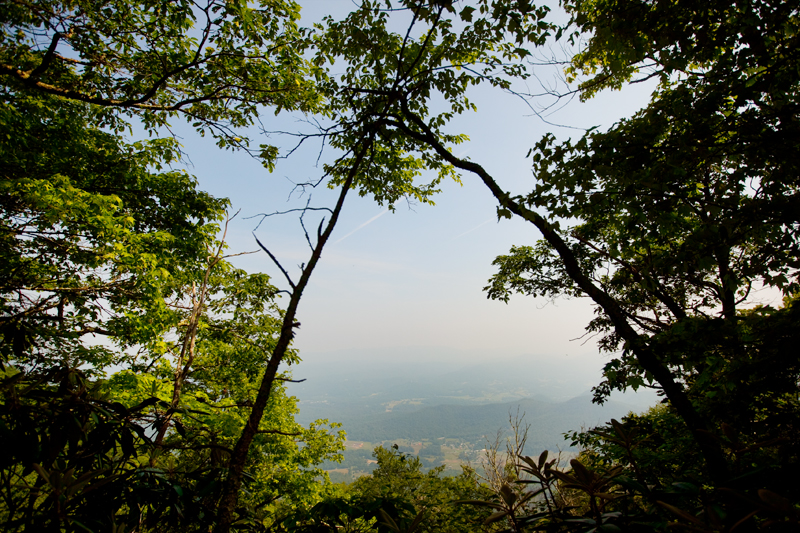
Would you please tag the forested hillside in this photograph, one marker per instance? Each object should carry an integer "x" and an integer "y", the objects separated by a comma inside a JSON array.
[
  {"x": 476, "y": 423},
  {"x": 143, "y": 375},
  {"x": 354, "y": 386}
]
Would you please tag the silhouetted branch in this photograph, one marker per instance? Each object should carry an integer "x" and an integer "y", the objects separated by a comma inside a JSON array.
[
  {"x": 275, "y": 260},
  {"x": 294, "y": 210}
]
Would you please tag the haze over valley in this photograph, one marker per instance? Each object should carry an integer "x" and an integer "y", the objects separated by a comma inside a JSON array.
[{"x": 445, "y": 405}]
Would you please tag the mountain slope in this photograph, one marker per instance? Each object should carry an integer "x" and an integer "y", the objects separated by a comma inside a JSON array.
[{"x": 476, "y": 423}]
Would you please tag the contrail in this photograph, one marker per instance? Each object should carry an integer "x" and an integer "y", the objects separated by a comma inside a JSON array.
[
  {"x": 473, "y": 229},
  {"x": 370, "y": 221}
]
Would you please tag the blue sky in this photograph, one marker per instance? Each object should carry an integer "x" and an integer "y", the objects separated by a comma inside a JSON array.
[{"x": 414, "y": 277}]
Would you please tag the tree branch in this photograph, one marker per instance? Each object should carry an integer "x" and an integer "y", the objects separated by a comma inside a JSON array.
[
  {"x": 715, "y": 458},
  {"x": 275, "y": 260}
]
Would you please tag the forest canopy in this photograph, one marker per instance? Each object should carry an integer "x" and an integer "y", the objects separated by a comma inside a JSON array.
[{"x": 142, "y": 386}]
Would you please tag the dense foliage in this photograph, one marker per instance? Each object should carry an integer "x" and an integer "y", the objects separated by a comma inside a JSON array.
[
  {"x": 396, "y": 497},
  {"x": 131, "y": 348},
  {"x": 140, "y": 370},
  {"x": 215, "y": 63}
]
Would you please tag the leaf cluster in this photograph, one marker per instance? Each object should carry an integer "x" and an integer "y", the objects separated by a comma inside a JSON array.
[
  {"x": 381, "y": 101},
  {"x": 216, "y": 63}
]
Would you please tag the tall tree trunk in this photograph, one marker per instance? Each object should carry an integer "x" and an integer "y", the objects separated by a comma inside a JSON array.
[{"x": 236, "y": 464}]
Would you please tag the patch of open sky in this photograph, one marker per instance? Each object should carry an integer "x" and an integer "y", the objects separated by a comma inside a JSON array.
[{"x": 413, "y": 277}]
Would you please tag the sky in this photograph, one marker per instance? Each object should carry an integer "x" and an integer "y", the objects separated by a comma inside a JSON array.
[{"x": 414, "y": 277}]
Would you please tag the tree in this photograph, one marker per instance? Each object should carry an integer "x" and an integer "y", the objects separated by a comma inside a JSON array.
[
  {"x": 217, "y": 64},
  {"x": 100, "y": 241},
  {"x": 396, "y": 497},
  {"x": 385, "y": 73},
  {"x": 97, "y": 244},
  {"x": 682, "y": 209},
  {"x": 87, "y": 225},
  {"x": 114, "y": 249},
  {"x": 665, "y": 221},
  {"x": 70, "y": 70},
  {"x": 683, "y": 213}
]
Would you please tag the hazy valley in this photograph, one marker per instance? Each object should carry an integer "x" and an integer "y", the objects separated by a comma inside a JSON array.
[{"x": 444, "y": 405}]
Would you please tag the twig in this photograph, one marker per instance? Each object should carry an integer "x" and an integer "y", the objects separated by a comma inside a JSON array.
[{"x": 275, "y": 260}]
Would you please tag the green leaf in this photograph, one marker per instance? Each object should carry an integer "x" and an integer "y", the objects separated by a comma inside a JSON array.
[
  {"x": 466, "y": 13},
  {"x": 495, "y": 517}
]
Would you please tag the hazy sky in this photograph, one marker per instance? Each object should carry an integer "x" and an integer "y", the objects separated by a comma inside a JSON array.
[{"x": 413, "y": 277}]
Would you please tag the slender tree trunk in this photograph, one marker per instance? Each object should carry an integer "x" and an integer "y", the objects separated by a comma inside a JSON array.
[
  {"x": 236, "y": 464},
  {"x": 186, "y": 357}
]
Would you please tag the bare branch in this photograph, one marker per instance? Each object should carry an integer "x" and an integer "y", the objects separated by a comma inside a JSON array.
[
  {"x": 275, "y": 260},
  {"x": 291, "y": 380},
  {"x": 240, "y": 253},
  {"x": 302, "y": 224},
  {"x": 295, "y": 210}
]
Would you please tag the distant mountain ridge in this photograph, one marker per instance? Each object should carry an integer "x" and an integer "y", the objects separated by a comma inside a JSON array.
[
  {"x": 428, "y": 393},
  {"x": 475, "y": 423}
]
